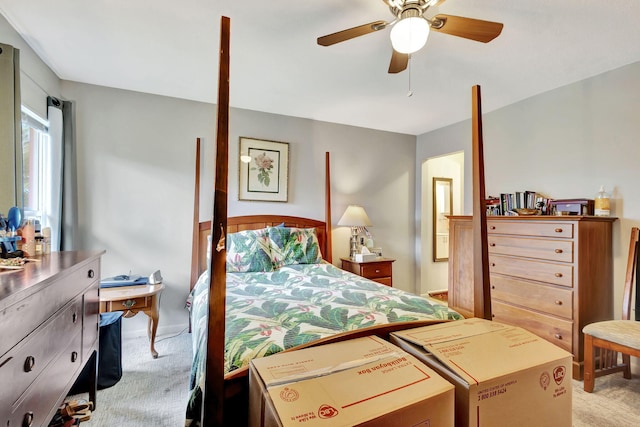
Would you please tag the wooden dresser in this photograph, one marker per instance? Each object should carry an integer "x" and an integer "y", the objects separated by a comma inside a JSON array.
[
  {"x": 549, "y": 274},
  {"x": 49, "y": 319}
]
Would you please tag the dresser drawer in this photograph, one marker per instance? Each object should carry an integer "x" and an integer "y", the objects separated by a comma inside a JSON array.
[
  {"x": 558, "y": 274},
  {"x": 374, "y": 271},
  {"x": 40, "y": 401},
  {"x": 554, "y": 250},
  {"x": 532, "y": 295},
  {"x": 528, "y": 228},
  {"x": 27, "y": 360},
  {"x": 35, "y": 309},
  {"x": 554, "y": 330}
]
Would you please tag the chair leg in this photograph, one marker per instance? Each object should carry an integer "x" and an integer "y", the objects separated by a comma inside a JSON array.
[
  {"x": 626, "y": 360},
  {"x": 589, "y": 364}
]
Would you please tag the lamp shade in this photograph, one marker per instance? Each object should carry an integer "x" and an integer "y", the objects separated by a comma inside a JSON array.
[
  {"x": 355, "y": 216},
  {"x": 409, "y": 34}
]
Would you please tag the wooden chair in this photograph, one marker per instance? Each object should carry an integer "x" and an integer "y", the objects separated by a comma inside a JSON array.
[{"x": 604, "y": 340}]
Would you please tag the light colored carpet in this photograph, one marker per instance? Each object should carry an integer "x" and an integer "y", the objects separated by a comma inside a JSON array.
[
  {"x": 154, "y": 392},
  {"x": 614, "y": 402}
]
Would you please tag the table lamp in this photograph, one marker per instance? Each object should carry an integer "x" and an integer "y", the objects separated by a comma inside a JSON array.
[{"x": 356, "y": 218}]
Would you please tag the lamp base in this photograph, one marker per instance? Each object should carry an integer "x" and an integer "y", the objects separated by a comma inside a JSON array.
[{"x": 353, "y": 243}]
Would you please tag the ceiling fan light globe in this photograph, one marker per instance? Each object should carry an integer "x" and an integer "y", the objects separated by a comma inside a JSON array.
[{"x": 409, "y": 35}]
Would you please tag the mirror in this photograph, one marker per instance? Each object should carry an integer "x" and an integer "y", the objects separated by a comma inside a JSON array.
[
  {"x": 10, "y": 130},
  {"x": 442, "y": 207}
]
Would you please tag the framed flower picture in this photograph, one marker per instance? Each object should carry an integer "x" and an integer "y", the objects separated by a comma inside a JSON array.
[{"x": 264, "y": 170}]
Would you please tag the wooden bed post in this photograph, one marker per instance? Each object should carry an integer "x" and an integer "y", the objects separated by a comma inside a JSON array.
[
  {"x": 213, "y": 395},
  {"x": 481, "y": 288},
  {"x": 196, "y": 219},
  {"x": 327, "y": 190}
]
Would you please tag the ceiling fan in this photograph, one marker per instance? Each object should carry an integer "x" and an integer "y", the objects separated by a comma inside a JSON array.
[{"x": 410, "y": 29}]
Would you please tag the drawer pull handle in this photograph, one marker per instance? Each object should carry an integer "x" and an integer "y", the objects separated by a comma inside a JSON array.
[
  {"x": 129, "y": 303},
  {"x": 29, "y": 363},
  {"x": 74, "y": 317},
  {"x": 493, "y": 227},
  {"x": 558, "y": 336},
  {"x": 558, "y": 251},
  {"x": 493, "y": 264},
  {"x": 492, "y": 244},
  {"x": 74, "y": 356},
  {"x": 91, "y": 273},
  {"x": 558, "y": 230},
  {"x": 558, "y": 274},
  {"x": 27, "y": 421},
  {"x": 493, "y": 286},
  {"x": 558, "y": 302},
  {"x": 377, "y": 271}
]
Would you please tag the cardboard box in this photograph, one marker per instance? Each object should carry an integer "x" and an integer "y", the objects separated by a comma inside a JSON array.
[
  {"x": 503, "y": 375},
  {"x": 360, "y": 382}
]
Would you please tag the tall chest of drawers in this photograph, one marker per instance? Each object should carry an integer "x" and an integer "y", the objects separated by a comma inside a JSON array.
[
  {"x": 49, "y": 319},
  {"x": 550, "y": 275}
]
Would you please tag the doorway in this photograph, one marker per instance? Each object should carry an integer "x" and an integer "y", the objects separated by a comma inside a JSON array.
[{"x": 435, "y": 274}]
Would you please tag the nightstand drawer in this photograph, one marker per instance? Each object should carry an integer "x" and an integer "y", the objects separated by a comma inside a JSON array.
[
  {"x": 541, "y": 229},
  {"x": 384, "y": 281},
  {"x": 138, "y": 303},
  {"x": 373, "y": 271},
  {"x": 553, "y": 250}
]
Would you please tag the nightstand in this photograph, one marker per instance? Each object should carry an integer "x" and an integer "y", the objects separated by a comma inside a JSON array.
[
  {"x": 134, "y": 298},
  {"x": 378, "y": 270}
]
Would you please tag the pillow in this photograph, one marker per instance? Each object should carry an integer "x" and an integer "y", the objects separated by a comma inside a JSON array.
[
  {"x": 290, "y": 245},
  {"x": 248, "y": 251}
]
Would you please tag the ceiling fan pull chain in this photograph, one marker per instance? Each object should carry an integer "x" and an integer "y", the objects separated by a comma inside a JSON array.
[{"x": 409, "y": 93}]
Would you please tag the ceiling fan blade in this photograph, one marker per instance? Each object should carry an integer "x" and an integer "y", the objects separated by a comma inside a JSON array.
[
  {"x": 399, "y": 62},
  {"x": 351, "y": 33},
  {"x": 468, "y": 28}
]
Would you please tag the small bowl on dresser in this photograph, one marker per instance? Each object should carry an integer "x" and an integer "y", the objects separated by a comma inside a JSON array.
[{"x": 527, "y": 212}]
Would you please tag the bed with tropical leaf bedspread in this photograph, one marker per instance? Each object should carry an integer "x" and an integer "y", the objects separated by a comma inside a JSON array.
[{"x": 280, "y": 294}]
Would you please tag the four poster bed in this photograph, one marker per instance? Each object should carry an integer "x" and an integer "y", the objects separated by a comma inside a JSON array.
[
  {"x": 303, "y": 301},
  {"x": 256, "y": 303}
]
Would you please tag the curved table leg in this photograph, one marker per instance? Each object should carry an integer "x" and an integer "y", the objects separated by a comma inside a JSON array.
[{"x": 152, "y": 327}]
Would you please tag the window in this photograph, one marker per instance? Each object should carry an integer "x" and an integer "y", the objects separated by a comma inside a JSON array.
[{"x": 36, "y": 167}]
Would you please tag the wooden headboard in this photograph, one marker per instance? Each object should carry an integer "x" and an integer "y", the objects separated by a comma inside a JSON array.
[{"x": 254, "y": 222}]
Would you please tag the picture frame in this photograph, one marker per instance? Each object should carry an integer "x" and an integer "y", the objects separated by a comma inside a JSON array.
[{"x": 264, "y": 170}]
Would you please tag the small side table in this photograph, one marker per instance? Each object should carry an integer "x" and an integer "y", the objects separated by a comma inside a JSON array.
[
  {"x": 379, "y": 270},
  {"x": 131, "y": 300}
]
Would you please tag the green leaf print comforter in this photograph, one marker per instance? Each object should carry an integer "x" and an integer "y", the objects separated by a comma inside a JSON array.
[{"x": 268, "y": 312}]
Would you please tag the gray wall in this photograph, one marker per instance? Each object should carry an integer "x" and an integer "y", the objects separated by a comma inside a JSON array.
[
  {"x": 136, "y": 155},
  {"x": 564, "y": 143},
  {"x": 36, "y": 79}
]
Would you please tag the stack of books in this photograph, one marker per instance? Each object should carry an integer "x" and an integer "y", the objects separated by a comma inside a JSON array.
[{"x": 507, "y": 203}]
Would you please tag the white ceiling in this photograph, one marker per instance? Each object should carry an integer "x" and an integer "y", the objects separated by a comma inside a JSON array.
[{"x": 170, "y": 47}]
